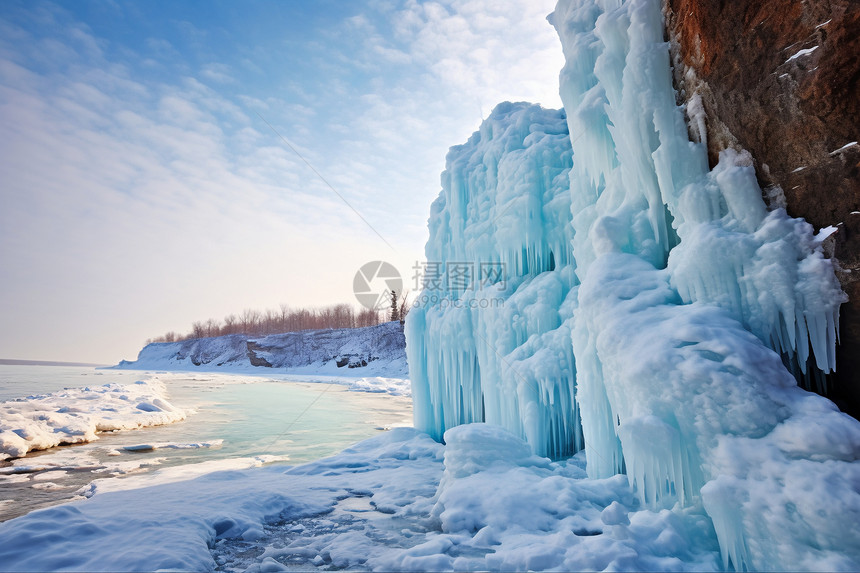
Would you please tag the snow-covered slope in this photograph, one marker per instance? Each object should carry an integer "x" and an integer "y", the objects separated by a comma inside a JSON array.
[
  {"x": 373, "y": 350},
  {"x": 651, "y": 308}
]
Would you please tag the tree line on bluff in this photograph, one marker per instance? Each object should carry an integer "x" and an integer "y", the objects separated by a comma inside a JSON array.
[{"x": 285, "y": 319}]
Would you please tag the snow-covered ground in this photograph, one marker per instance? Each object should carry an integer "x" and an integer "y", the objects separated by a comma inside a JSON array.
[
  {"x": 396, "y": 502},
  {"x": 355, "y": 352}
]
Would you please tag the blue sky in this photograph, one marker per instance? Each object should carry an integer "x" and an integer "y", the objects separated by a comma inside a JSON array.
[{"x": 141, "y": 188}]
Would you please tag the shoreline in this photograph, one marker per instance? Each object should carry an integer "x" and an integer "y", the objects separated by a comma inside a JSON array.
[{"x": 112, "y": 458}]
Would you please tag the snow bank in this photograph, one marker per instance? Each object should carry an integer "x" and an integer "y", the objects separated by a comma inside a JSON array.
[
  {"x": 76, "y": 415},
  {"x": 369, "y": 351},
  {"x": 397, "y": 502},
  {"x": 381, "y": 385},
  {"x": 540, "y": 515},
  {"x": 400, "y": 386}
]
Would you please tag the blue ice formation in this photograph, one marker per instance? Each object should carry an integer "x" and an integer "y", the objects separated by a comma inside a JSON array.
[
  {"x": 651, "y": 309},
  {"x": 503, "y": 221}
]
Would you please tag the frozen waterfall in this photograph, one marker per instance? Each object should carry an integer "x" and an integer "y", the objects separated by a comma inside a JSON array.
[
  {"x": 648, "y": 309},
  {"x": 490, "y": 340}
]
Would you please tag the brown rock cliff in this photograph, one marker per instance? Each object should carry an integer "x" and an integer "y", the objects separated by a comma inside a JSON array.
[{"x": 779, "y": 78}]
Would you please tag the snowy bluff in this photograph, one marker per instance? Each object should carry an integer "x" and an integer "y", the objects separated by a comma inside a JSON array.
[
  {"x": 651, "y": 310},
  {"x": 353, "y": 350}
]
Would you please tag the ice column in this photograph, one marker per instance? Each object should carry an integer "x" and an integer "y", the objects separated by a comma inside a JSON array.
[{"x": 490, "y": 339}]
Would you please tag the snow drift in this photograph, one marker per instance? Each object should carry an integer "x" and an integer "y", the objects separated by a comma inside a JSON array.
[
  {"x": 376, "y": 350},
  {"x": 651, "y": 310}
]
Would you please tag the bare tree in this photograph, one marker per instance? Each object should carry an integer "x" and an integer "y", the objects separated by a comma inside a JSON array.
[
  {"x": 230, "y": 324},
  {"x": 212, "y": 328},
  {"x": 270, "y": 321},
  {"x": 198, "y": 329},
  {"x": 282, "y": 319},
  {"x": 249, "y": 321}
]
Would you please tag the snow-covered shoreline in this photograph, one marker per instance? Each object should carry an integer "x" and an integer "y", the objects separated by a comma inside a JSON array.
[
  {"x": 385, "y": 382},
  {"x": 77, "y": 415},
  {"x": 396, "y": 502},
  {"x": 227, "y": 427}
]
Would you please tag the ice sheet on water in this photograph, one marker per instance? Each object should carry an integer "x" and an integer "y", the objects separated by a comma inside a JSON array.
[
  {"x": 170, "y": 474},
  {"x": 76, "y": 415}
]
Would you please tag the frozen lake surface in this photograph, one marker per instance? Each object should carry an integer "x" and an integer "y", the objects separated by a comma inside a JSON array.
[{"x": 234, "y": 421}]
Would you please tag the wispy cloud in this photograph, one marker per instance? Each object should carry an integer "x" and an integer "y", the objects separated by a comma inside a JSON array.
[
  {"x": 141, "y": 192},
  {"x": 219, "y": 73},
  {"x": 101, "y": 188}
]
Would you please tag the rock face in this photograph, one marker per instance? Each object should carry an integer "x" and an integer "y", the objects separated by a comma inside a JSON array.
[{"x": 779, "y": 78}]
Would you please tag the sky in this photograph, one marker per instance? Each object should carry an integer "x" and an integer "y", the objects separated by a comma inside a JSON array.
[{"x": 165, "y": 162}]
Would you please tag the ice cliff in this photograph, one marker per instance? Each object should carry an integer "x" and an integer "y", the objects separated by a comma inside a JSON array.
[
  {"x": 377, "y": 350},
  {"x": 591, "y": 283}
]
